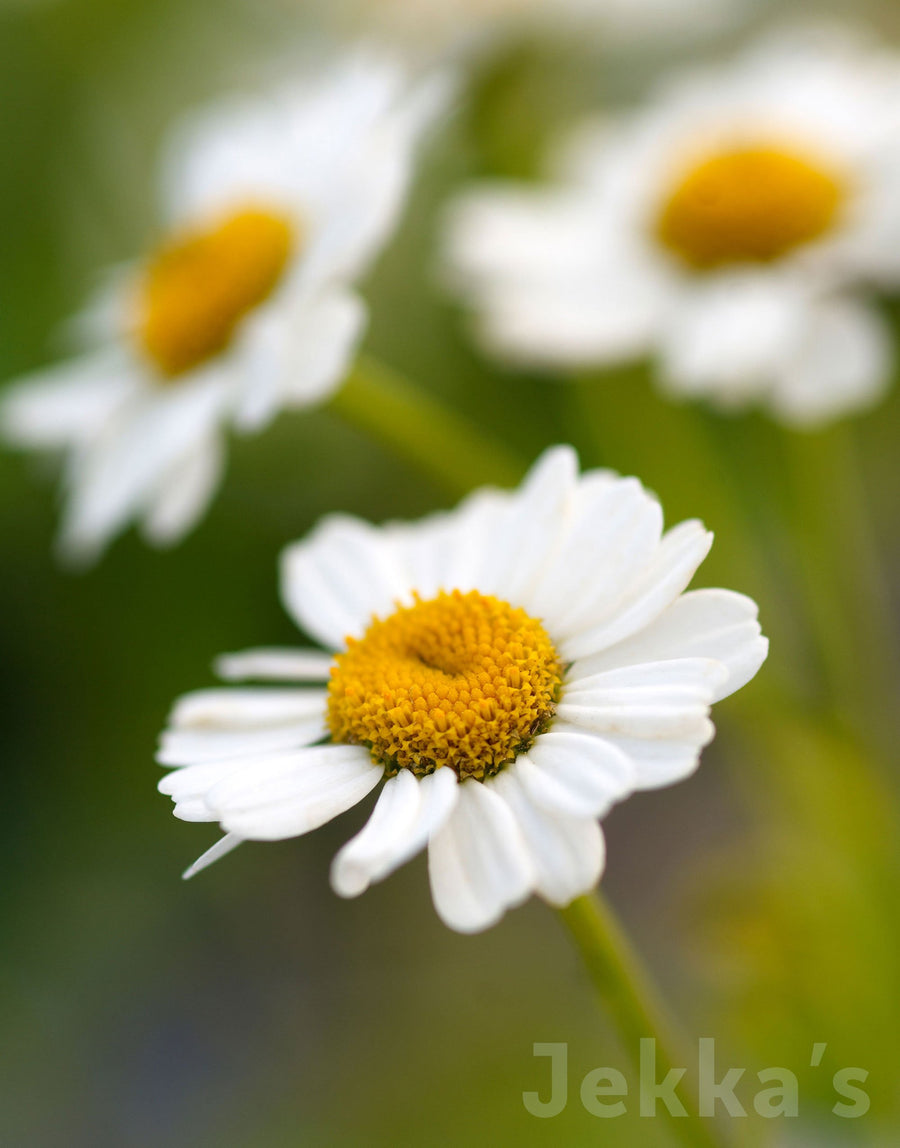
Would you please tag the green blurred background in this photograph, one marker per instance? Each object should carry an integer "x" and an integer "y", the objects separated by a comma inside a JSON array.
[{"x": 251, "y": 1008}]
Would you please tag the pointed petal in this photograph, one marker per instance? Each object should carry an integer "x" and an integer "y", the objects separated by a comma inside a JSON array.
[{"x": 223, "y": 846}]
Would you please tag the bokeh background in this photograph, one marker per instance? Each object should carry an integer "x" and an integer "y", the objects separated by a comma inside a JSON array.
[{"x": 251, "y": 1008}]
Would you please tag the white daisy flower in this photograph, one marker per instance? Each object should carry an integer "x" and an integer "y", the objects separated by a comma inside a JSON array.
[
  {"x": 730, "y": 229},
  {"x": 271, "y": 209},
  {"x": 505, "y": 671}
]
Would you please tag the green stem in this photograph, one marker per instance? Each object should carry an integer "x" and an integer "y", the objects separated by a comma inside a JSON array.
[
  {"x": 627, "y": 992},
  {"x": 455, "y": 452},
  {"x": 845, "y": 588}
]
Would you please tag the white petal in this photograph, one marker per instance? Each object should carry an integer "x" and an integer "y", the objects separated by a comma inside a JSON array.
[
  {"x": 275, "y": 665},
  {"x": 363, "y": 197},
  {"x": 567, "y": 853},
  {"x": 276, "y": 796},
  {"x": 842, "y": 364},
  {"x": 677, "y": 557},
  {"x": 68, "y": 403},
  {"x": 118, "y": 476},
  {"x": 733, "y": 336},
  {"x": 446, "y": 551},
  {"x": 694, "y": 677},
  {"x": 408, "y": 812},
  {"x": 716, "y": 624},
  {"x": 337, "y": 580},
  {"x": 655, "y": 713},
  {"x": 660, "y": 761},
  {"x": 296, "y": 353},
  {"x": 188, "y": 787},
  {"x": 570, "y": 772},
  {"x": 184, "y": 493},
  {"x": 193, "y": 809},
  {"x": 478, "y": 862},
  {"x": 188, "y": 746},
  {"x": 667, "y": 701},
  {"x": 249, "y": 708},
  {"x": 525, "y": 532},
  {"x": 552, "y": 284},
  {"x": 613, "y": 532},
  {"x": 222, "y": 846}
]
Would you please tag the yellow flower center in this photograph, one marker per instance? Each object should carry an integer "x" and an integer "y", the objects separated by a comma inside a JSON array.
[
  {"x": 199, "y": 287},
  {"x": 749, "y": 205},
  {"x": 462, "y": 680}
]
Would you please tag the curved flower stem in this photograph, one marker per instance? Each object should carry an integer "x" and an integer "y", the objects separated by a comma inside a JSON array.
[
  {"x": 414, "y": 423},
  {"x": 626, "y": 990}
]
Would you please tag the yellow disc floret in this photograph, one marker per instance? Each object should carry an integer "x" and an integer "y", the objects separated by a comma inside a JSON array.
[
  {"x": 749, "y": 205},
  {"x": 460, "y": 680},
  {"x": 199, "y": 287}
]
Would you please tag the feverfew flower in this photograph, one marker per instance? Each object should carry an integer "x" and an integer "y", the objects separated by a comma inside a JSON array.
[
  {"x": 505, "y": 672},
  {"x": 459, "y": 26},
  {"x": 271, "y": 210},
  {"x": 730, "y": 228}
]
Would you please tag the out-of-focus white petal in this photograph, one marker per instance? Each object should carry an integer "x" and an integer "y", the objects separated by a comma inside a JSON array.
[
  {"x": 731, "y": 336},
  {"x": 119, "y": 474},
  {"x": 185, "y": 493},
  {"x": 297, "y": 353},
  {"x": 69, "y": 403},
  {"x": 842, "y": 364}
]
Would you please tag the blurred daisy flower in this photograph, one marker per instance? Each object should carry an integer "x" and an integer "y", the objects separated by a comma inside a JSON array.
[
  {"x": 731, "y": 229},
  {"x": 472, "y": 25},
  {"x": 505, "y": 671},
  {"x": 272, "y": 208}
]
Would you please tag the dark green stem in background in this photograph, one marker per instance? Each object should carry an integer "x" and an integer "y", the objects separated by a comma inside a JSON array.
[{"x": 415, "y": 424}]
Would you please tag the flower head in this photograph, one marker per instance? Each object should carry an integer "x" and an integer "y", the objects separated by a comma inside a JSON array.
[
  {"x": 730, "y": 227},
  {"x": 506, "y": 672},
  {"x": 271, "y": 208}
]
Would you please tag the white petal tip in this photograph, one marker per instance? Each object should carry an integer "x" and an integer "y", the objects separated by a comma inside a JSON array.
[{"x": 222, "y": 846}]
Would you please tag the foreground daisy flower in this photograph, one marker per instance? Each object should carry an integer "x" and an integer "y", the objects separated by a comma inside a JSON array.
[
  {"x": 271, "y": 209},
  {"x": 729, "y": 228},
  {"x": 506, "y": 671}
]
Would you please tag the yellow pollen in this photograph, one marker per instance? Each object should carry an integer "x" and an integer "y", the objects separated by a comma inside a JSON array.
[
  {"x": 199, "y": 287},
  {"x": 461, "y": 680},
  {"x": 749, "y": 205}
]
